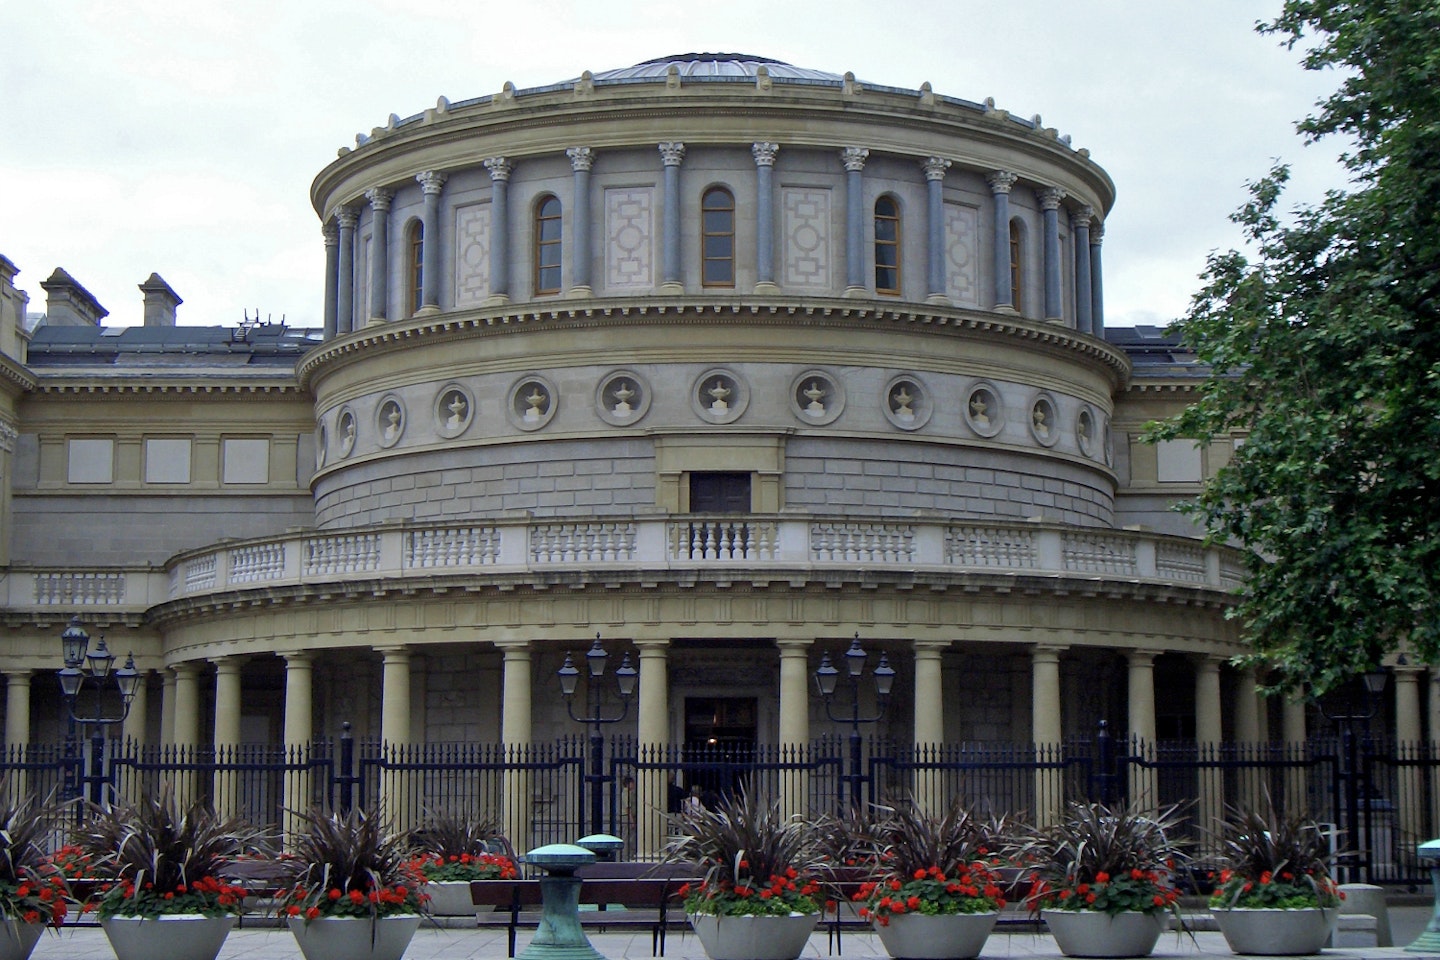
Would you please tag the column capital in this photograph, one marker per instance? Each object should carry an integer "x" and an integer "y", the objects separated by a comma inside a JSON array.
[
  {"x": 764, "y": 153},
  {"x": 581, "y": 158},
  {"x": 331, "y": 233},
  {"x": 499, "y": 168},
  {"x": 934, "y": 167},
  {"x": 1050, "y": 197},
  {"x": 1000, "y": 181},
  {"x": 791, "y": 646},
  {"x": 346, "y": 218},
  {"x": 379, "y": 198},
  {"x": 854, "y": 158},
  {"x": 1081, "y": 217},
  {"x": 1047, "y": 652},
  {"x": 432, "y": 181},
  {"x": 672, "y": 152},
  {"x": 509, "y": 647},
  {"x": 229, "y": 664},
  {"x": 399, "y": 651},
  {"x": 1210, "y": 663},
  {"x": 930, "y": 647},
  {"x": 297, "y": 658},
  {"x": 1142, "y": 657},
  {"x": 186, "y": 668},
  {"x": 1097, "y": 232}
]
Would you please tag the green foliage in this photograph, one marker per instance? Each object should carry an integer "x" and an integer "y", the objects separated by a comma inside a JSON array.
[
  {"x": 1273, "y": 861},
  {"x": 351, "y": 865},
  {"x": 1324, "y": 352},
  {"x": 1103, "y": 858},
  {"x": 448, "y": 847},
  {"x": 32, "y": 889}
]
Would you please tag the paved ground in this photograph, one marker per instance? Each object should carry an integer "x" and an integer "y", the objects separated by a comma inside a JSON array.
[{"x": 89, "y": 943}]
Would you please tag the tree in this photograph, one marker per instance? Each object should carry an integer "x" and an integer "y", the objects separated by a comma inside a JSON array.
[{"x": 1323, "y": 346}]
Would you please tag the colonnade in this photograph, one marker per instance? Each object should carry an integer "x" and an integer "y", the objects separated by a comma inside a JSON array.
[{"x": 339, "y": 234}]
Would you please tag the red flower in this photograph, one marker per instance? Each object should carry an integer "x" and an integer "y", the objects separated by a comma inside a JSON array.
[
  {"x": 334, "y": 893},
  {"x": 1159, "y": 900},
  {"x": 1102, "y": 877},
  {"x": 312, "y": 913}
]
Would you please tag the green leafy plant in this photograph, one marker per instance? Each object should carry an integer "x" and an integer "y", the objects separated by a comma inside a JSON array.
[
  {"x": 448, "y": 847},
  {"x": 1271, "y": 861},
  {"x": 350, "y": 865},
  {"x": 933, "y": 865},
  {"x": 32, "y": 889},
  {"x": 756, "y": 861},
  {"x": 164, "y": 860},
  {"x": 1106, "y": 859}
]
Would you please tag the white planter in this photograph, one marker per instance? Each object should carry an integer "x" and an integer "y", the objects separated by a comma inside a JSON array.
[
  {"x": 353, "y": 938},
  {"x": 1093, "y": 933},
  {"x": 1277, "y": 933},
  {"x": 754, "y": 938},
  {"x": 450, "y": 898},
  {"x": 18, "y": 938},
  {"x": 955, "y": 936},
  {"x": 180, "y": 936}
]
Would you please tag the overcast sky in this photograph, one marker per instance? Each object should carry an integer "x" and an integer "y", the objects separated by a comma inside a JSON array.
[{"x": 181, "y": 137}]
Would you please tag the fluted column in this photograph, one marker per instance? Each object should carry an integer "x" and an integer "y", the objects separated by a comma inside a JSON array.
[
  {"x": 764, "y": 154},
  {"x": 331, "y": 234},
  {"x": 500, "y": 169},
  {"x": 1208, "y": 736},
  {"x": 1046, "y": 729},
  {"x": 1050, "y": 198},
  {"x": 226, "y": 733},
  {"x": 515, "y": 733},
  {"x": 1080, "y": 232},
  {"x": 581, "y": 160},
  {"x": 935, "y": 168},
  {"x": 299, "y": 731},
  {"x": 432, "y": 182},
  {"x": 1140, "y": 714},
  {"x": 794, "y": 721},
  {"x": 379, "y": 198},
  {"x": 854, "y": 160},
  {"x": 653, "y": 730},
  {"x": 671, "y": 154},
  {"x": 1000, "y": 183},
  {"x": 345, "y": 220},
  {"x": 1097, "y": 287}
]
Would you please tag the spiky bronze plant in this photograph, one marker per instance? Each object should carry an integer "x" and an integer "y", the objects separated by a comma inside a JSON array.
[
  {"x": 165, "y": 859},
  {"x": 756, "y": 860},
  {"x": 449, "y": 847},
  {"x": 1270, "y": 860},
  {"x": 350, "y": 865},
  {"x": 32, "y": 890},
  {"x": 849, "y": 841}
]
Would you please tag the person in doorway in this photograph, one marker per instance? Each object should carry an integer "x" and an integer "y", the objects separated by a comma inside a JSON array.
[{"x": 695, "y": 803}]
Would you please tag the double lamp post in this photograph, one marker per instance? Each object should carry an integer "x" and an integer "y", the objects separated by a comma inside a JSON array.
[
  {"x": 625, "y": 677},
  {"x": 94, "y": 669},
  {"x": 827, "y": 679}
]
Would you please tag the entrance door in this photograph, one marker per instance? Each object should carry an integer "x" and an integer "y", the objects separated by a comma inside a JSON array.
[{"x": 720, "y": 735}]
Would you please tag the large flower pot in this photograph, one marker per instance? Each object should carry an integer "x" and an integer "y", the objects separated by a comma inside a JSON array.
[
  {"x": 1277, "y": 933},
  {"x": 1092, "y": 933},
  {"x": 450, "y": 898},
  {"x": 181, "y": 936},
  {"x": 17, "y": 938},
  {"x": 952, "y": 936},
  {"x": 354, "y": 938},
  {"x": 754, "y": 938}
]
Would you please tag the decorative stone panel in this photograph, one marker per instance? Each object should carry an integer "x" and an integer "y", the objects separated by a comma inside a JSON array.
[
  {"x": 454, "y": 410},
  {"x": 984, "y": 410},
  {"x": 533, "y": 402},
  {"x": 805, "y": 225},
  {"x": 630, "y": 238},
  {"x": 906, "y": 402},
  {"x": 472, "y": 255},
  {"x": 816, "y": 398},
  {"x": 622, "y": 398},
  {"x": 719, "y": 396},
  {"x": 962, "y": 226}
]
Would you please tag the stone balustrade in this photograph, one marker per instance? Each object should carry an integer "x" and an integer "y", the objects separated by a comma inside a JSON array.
[{"x": 679, "y": 543}]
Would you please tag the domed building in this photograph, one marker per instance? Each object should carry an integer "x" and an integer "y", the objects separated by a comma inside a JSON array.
[{"x": 726, "y": 361}]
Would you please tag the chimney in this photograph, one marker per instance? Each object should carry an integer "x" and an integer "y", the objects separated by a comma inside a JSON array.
[
  {"x": 160, "y": 302},
  {"x": 67, "y": 304}
]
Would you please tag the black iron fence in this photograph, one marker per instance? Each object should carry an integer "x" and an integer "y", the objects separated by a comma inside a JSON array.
[{"x": 1380, "y": 799}]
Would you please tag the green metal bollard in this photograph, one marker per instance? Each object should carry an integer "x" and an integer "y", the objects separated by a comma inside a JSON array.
[
  {"x": 560, "y": 936},
  {"x": 1429, "y": 939}
]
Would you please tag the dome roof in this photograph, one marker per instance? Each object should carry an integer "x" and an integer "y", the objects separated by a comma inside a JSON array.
[{"x": 720, "y": 66}]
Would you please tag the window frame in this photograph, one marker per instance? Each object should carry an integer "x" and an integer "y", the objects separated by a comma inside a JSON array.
[
  {"x": 706, "y": 234},
  {"x": 892, "y": 243},
  {"x": 414, "y": 267},
  {"x": 1017, "y": 264},
  {"x": 542, "y": 244}
]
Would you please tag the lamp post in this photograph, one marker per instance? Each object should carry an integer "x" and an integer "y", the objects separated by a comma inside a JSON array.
[
  {"x": 827, "y": 678},
  {"x": 94, "y": 668},
  {"x": 625, "y": 676},
  {"x": 1348, "y": 717}
]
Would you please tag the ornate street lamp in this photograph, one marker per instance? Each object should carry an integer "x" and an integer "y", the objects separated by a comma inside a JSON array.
[
  {"x": 625, "y": 677},
  {"x": 827, "y": 679},
  {"x": 1356, "y": 711},
  {"x": 94, "y": 668}
]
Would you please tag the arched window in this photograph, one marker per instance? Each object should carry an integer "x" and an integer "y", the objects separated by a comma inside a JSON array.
[
  {"x": 1017, "y": 257},
  {"x": 547, "y": 246},
  {"x": 887, "y": 246},
  {"x": 414, "y": 267},
  {"x": 717, "y": 238}
]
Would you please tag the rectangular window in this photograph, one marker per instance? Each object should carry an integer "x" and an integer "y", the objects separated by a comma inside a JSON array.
[
  {"x": 719, "y": 492},
  {"x": 167, "y": 460},
  {"x": 246, "y": 460},
  {"x": 90, "y": 461}
]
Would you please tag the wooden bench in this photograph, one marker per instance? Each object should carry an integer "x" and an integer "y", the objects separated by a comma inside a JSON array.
[{"x": 640, "y": 902}]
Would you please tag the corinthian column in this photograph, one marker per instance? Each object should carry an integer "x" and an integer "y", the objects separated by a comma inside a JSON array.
[
  {"x": 764, "y": 154},
  {"x": 332, "y": 278},
  {"x": 935, "y": 168},
  {"x": 1050, "y": 198},
  {"x": 581, "y": 160},
  {"x": 1080, "y": 231},
  {"x": 345, "y": 220},
  {"x": 671, "y": 153},
  {"x": 854, "y": 160},
  {"x": 379, "y": 252},
  {"x": 431, "y": 182},
  {"x": 499, "y": 168},
  {"x": 1097, "y": 289},
  {"x": 1000, "y": 183}
]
